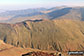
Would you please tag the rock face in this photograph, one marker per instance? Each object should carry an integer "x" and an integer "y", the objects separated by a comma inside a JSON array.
[{"x": 60, "y": 35}]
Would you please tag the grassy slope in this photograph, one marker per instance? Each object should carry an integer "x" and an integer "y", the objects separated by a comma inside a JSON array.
[
  {"x": 60, "y": 35},
  {"x": 9, "y": 50}
]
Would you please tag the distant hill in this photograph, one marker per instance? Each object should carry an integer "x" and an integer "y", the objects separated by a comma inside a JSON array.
[
  {"x": 16, "y": 13},
  {"x": 20, "y": 19},
  {"x": 19, "y": 15},
  {"x": 61, "y": 12},
  {"x": 21, "y": 12},
  {"x": 73, "y": 13},
  {"x": 58, "y": 13}
]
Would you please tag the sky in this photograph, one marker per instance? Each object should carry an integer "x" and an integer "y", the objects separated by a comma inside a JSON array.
[{"x": 25, "y": 4}]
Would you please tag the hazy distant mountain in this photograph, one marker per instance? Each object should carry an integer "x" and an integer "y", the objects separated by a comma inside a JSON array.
[
  {"x": 21, "y": 12},
  {"x": 58, "y": 13},
  {"x": 20, "y": 18},
  {"x": 53, "y": 9},
  {"x": 2, "y": 10},
  {"x": 57, "y": 8},
  {"x": 73, "y": 13},
  {"x": 17, "y": 13}
]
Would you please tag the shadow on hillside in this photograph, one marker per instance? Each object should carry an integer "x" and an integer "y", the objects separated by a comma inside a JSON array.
[
  {"x": 58, "y": 13},
  {"x": 35, "y": 20},
  {"x": 82, "y": 13}
]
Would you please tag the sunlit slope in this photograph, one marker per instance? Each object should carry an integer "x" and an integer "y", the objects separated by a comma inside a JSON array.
[
  {"x": 60, "y": 35},
  {"x": 9, "y": 50}
]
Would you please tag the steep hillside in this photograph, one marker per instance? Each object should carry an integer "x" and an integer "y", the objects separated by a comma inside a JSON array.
[
  {"x": 60, "y": 35},
  {"x": 9, "y": 50}
]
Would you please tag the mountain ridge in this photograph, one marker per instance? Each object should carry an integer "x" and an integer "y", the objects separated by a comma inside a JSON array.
[{"x": 56, "y": 34}]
